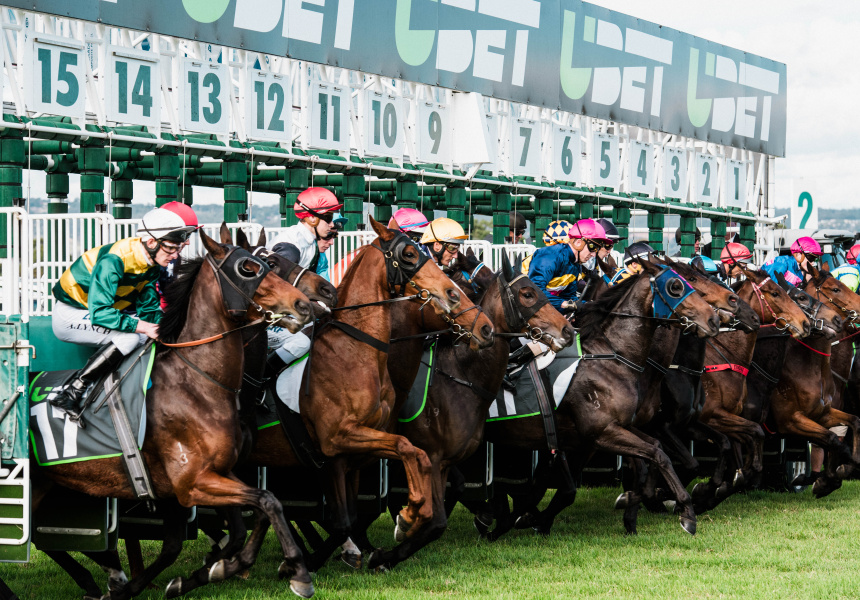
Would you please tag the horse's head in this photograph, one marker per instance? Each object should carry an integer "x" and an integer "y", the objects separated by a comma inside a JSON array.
[
  {"x": 479, "y": 273},
  {"x": 729, "y": 307},
  {"x": 829, "y": 316},
  {"x": 678, "y": 302},
  {"x": 772, "y": 303},
  {"x": 250, "y": 289},
  {"x": 526, "y": 309},
  {"x": 321, "y": 293},
  {"x": 410, "y": 270}
]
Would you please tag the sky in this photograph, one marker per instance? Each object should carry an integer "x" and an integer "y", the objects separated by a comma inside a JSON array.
[
  {"x": 816, "y": 40},
  {"x": 818, "y": 43}
]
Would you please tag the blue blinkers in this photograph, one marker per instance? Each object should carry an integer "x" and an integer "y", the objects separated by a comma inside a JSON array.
[{"x": 670, "y": 289}]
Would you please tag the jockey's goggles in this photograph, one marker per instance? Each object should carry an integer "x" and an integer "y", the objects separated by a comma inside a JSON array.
[
  {"x": 813, "y": 258},
  {"x": 593, "y": 246},
  {"x": 608, "y": 245},
  {"x": 171, "y": 248},
  {"x": 323, "y": 215},
  {"x": 452, "y": 248},
  {"x": 415, "y": 236}
]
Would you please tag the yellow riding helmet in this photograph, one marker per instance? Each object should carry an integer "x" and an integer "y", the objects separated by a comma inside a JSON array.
[{"x": 444, "y": 230}]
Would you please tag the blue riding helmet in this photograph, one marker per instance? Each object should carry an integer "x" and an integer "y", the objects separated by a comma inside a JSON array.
[{"x": 704, "y": 264}]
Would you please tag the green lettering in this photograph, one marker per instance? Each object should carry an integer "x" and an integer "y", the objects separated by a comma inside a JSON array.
[
  {"x": 574, "y": 81},
  {"x": 205, "y": 11},
  {"x": 697, "y": 109},
  {"x": 413, "y": 45}
]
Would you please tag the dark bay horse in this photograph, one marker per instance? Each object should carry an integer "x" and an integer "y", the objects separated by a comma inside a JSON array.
[
  {"x": 598, "y": 408},
  {"x": 193, "y": 436},
  {"x": 463, "y": 387},
  {"x": 347, "y": 399}
]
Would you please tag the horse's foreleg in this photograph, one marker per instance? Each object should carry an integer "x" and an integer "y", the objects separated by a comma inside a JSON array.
[
  {"x": 618, "y": 440},
  {"x": 835, "y": 417},
  {"x": 81, "y": 575},
  {"x": 745, "y": 432},
  {"x": 211, "y": 489},
  {"x": 380, "y": 444}
]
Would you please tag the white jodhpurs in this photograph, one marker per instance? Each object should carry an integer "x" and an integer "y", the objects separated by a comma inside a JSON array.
[
  {"x": 289, "y": 346},
  {"x": 72, "y": 324}
]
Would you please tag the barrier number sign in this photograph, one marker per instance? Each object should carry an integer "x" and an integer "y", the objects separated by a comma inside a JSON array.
[
  {"x": 707, "y": 180},
  {"x": 434, "y": 133},
  {"x": 641, "y": 167},
  {"x": 56, "y": 76},
  {"x": 268, "y": 106},
  {"x": 605, "y": 160},
  {"x": 133, "y": 87},
  {"x": 205, "y": 92},
  {"x": 674, "y": 173},
  {"x": 525, "y": 148},
  {"x": 329, "y": 116},
  {"x": 383, "y": 125},
  {"x": 736, "y": 183},
  {"x": 566, "y": 154}
]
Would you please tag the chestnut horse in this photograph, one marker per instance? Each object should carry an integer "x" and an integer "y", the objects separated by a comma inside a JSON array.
[{"x": 193, "y": 436}]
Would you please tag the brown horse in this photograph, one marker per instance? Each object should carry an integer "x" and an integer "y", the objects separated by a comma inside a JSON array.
[
  {"x": 727, "y": 359},
  {"x": 464, "y": 385},
  {"x": 801, "y": 404},
  {"x": 193, "y": 436},
  {"x": 347, "y": 398},
  {"x": 598, "y": 408}
]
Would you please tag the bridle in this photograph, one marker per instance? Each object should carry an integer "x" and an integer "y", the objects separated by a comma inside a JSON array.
[
  {"x": 852, "y": 315},
  {"x": 265, "y": 254},
  {"x": 762, "y": 300},
  {"x": 517, "y": 317}
]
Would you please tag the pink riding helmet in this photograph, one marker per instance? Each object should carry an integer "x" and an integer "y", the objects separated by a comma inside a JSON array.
[
  {"x": 806, "y": 245},
  {"x": 588, "y": 229},
  {"x": 409, "y": 219},
  {"x": 853, "y": 253}
]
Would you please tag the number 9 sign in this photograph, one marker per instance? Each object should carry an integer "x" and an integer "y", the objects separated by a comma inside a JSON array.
[
  {"x": 434, "y": 133},
  {"x": 205, "y": 92}
]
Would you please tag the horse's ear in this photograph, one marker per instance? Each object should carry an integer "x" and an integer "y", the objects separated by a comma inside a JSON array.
[
  {"x": 518, "y": 263},
  {"x": 213, "y": 247},
  {"x": 226, "y": 238},
  {"x": 470, "y": 252},
  {"x": 242, "y": 240},
  {"x": 261, "y": 241},
  {"x": 780, "y": 279},
  {"x": 825, "y": 267},
  {"x": 507, "y": 269},
  {"x": 649, "y": 267},
  {"x": 385, "y": 234}
]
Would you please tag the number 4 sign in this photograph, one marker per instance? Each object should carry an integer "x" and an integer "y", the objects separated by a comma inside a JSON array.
[{"x": 640, "y": 161}]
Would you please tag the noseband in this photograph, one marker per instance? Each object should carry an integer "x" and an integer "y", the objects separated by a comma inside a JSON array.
[
  {"x": 852, "y": 315},
  {"x": 517, "y": 317},
  {"x": 764, "y": 303},
  {"x": 243, "y": 283}
]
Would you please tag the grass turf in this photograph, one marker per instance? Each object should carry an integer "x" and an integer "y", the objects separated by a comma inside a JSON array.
[{"x": 758, "y": 545}]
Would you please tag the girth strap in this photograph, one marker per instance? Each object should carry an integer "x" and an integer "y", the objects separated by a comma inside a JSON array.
[
  {"x": 654, "y": 364},
  {"x": 727, "y": 367},
  {"x": 483, "y": 393},
  {"x": 548, "y": 418},
  {"x": 688, "y": 370},
  {"x": 359, "y": 335},
  {"x": 615, "y": 356}
]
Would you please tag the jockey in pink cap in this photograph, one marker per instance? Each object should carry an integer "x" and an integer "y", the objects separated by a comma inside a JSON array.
[{"x": 804, "y": 251}]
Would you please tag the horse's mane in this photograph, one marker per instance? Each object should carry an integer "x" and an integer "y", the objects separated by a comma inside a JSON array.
[
  {"x": 591, "y": 316},
  {"x": 177, "y": 296}
]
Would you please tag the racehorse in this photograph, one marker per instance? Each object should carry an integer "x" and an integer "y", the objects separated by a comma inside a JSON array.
[
  {"x": 463, "y": 386},
  {"x": 601, "y": 400},
  {"x": 346, "y": 415},
  {"x": 801, "y": 403},
  {"x": 193, "y": 435},
  {"x": 728, "y": 359}
]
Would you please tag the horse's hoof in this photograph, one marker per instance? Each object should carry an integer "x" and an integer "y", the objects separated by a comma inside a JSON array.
[
  {"x": 218, "y": 571},
  {"x": 844, "y": 471},
  {"x": 525, "y": 521},
  {"x": 375, "y": 562},
  {"x": 824, "y": 487},
  {"x": 351, "y": 559},
  {"x": 689, "y": 525},
  {"x": 174, "y": 588},
  {"x": 623, "y": 500},
  {"x": 244, "y": 575},
  {"x": 739, "y": 479},
  {"x": 302, "y": 589},
  {"x": 542, "y": 530},
  {"x": 723, "y": 491},
  {"x": 482, "y": 522},
  {"x": 401, "y": 529}
]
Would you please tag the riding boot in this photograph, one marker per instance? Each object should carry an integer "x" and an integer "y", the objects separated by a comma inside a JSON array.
[
  {"x": 69, "y": 398},
  {"x": 274, "y": 365}
]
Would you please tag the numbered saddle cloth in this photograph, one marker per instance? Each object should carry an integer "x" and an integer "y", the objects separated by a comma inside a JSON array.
[
  {"x": 57, "y": 440},
  {"x": 522, "y": 401},
  {"x": 416, "y": 400}
]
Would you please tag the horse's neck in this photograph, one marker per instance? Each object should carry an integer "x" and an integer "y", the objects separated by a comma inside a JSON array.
[
  {"x": 748, "y": 294},
  {"x": 630, "y": 336},
  {"x": 373, "y": 320},
  {"x": 486, "y": 367},
  {"x": 736, "y": 346},
  {"x": 689, "y": 351}
]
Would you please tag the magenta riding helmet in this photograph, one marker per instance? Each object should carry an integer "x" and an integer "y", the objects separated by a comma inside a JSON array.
[
  {"x": 588, "y": 229},
  {"x": 806, "y": 245},
  {"x": 409, "y": 219}
]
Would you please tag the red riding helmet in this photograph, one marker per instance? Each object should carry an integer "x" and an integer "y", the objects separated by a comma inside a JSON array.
[
  {"x": 734, "y": 252},
  {"x": 185, "y": 212},
  {"x": 315, "y": 201}
]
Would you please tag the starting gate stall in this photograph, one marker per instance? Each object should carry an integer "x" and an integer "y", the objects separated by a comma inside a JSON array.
[{"x": 508, "y": 111}]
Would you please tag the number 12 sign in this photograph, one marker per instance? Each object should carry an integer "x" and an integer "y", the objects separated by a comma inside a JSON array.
[{"x": 268, "y": 106}]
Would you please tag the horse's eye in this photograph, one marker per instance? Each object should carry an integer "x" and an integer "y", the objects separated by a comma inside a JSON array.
[{"x": 774, "y": 294}]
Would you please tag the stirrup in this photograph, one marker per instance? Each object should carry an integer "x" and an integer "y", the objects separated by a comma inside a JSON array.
[{"x": 76, "y": 417}]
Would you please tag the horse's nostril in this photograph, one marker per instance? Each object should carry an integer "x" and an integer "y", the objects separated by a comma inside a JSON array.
[
  {"x": 303, "y": 308},
  {"x": 567, "y": 334},
  {"x": 486, "y": 331},
  {"x": 453, "y": 295},
  {"x": 806, "y": 327},
  {"x": 733, "y": 299}
]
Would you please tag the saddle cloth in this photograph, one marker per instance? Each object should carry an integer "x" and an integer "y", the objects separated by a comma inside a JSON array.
[
  {"x": 57, "y": 440},
  {"x": 523, "y": 401},
  {"x": 417, "y": 398}
]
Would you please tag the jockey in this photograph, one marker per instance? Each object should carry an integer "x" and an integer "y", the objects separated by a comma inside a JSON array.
[
  {"x": 705, "y": 265},
  {"x": 555, "y": 269},
  {"x": 803, "y": 252},
  {"x": 188, "y": 216},
  {"x": 849, "y": 275},
  {"x": 852, "y": 254},
  {"x": 320, "y": 264},
  {"x": 443, "y": 238},
  {"x": 95, "y": 296},
  {"x": 639, "y": 250},
  {"x": 732, "y": 256},
  {"x": 697, "y": 246},
  {"x": 408, "y": 220},
  {"x": 557, "y": 232},
  {"x": 288, "y": 346},
  {"x": 517, "y": 228},
  {"x": 315, "y": 208}
]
